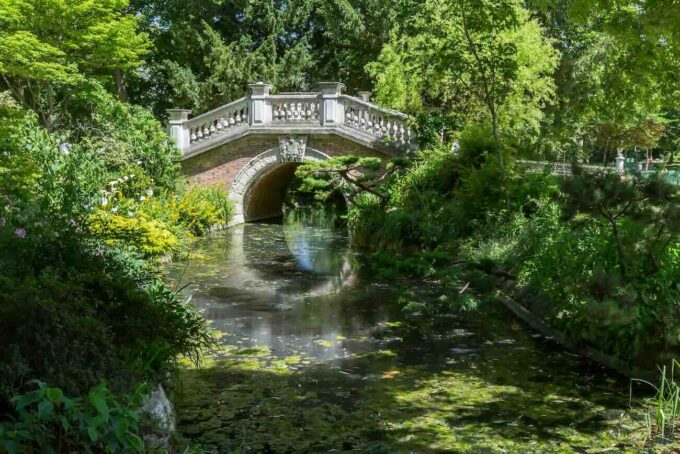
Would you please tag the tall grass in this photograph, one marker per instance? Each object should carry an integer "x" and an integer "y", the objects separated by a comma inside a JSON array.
[{"x": 663, "y": 417}]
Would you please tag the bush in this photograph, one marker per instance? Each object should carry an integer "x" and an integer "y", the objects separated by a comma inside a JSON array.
[
  {"x": 150, "y": 236},
  {"x": 79, "y": 304},
  {"x": 49, "y": 422},
  {"x": 599, "y": 256},
  {"x": 194, "y": 211},
  {"x": 85, "y": 314}
]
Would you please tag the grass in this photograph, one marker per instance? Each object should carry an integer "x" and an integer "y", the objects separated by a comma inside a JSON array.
[{"x": 663, "y": 417}]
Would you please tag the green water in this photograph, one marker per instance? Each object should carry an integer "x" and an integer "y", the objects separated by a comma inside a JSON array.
[{"x": 315, "y": 355}]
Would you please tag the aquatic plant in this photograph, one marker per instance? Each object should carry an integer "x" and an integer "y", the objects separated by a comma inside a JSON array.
[{"x": 663, "y": 410}]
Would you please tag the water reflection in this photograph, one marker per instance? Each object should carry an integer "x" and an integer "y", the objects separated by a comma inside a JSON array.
[
  {"x": 319, "y": 360},
  {"x": 287, "y": 286}
]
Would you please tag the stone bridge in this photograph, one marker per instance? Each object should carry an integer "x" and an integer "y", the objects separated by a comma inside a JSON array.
[{"x": 251, "y": 146}]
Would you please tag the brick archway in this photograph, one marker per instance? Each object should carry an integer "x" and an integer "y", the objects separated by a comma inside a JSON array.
[{"x": 257, "y": 190}]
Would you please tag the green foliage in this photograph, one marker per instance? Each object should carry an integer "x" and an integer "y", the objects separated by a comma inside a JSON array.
[
  {"x": 72, "y": 315},
  {"x": 664, "y": 408},
  {"x": 48, "y": 48},
  {"x": 191, "y": 212},
  {"x": 478, "y": 58},
  {"x": 127, "y": 139},
  {"x": 206, "y": 58},
  {"x": 49, "y": 422},
  {"x": 596, "y": 255},
  {"x": 74, "y": 309},
  {"x": 150, "y": 236},
  {"x": 352, "y": 175},
  {"x": 647, "y": 209}
]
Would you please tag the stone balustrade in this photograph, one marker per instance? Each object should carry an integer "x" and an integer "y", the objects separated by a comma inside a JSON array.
[
  {"x": 218, "y": 121},
  {"x": 384, "y": 123},
  {"x": 328, "y": 110},
  {"x": 295, "y": 107}
]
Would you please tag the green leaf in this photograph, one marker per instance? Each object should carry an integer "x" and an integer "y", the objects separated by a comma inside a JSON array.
[
  {"x": 54, "y": 394},
  {"x": 25, "y": 400},
  {"x": 93, "y": 434},
  {"x": 135, "y": 442},
  {"x": 98, "y": 401},
  {"x": 12, "y": 447},
  {"x": 120, "y": 427},
  {"x": 45, "y": 409}
]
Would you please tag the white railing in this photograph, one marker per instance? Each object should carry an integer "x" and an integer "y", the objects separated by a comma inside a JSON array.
[
  {"x": 295, "y": 108},
  {"x": 218, "y": 121},
  {"x": 384, "y": 123},
  {"x": 293, "y": 112},
  {"x": 563, "y": 169}
]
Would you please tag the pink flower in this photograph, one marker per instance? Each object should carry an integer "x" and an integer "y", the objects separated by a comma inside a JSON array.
[{"x": 20, "y": 233}]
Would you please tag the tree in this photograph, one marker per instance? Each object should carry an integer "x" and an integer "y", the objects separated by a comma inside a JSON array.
[
  {"x": 642, "y": 215},
  {"x": 48, "y": 48},
  {"x": 350, "y": 174},
  {"x": 206, "y": 52},
  {"x": 616, "y": 75},
  {"x": 484, "y": 58}
]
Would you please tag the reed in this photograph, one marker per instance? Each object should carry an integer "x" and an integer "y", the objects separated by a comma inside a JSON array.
[{"x": 663, "y": 417}]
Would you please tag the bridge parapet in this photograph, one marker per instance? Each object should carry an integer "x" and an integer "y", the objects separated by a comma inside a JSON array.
[{"x": 323, "y": 112}]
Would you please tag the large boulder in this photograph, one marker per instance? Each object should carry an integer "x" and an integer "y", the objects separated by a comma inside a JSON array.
[{"x": 159, "y": 420}]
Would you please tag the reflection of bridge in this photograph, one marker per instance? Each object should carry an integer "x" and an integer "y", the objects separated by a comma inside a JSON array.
[{"x": 252, "y": 146}]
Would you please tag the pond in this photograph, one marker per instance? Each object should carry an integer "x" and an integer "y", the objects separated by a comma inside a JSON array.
[{"x": 315, "y": 354}]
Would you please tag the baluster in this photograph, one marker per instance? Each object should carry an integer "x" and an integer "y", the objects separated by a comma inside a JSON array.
[
  {"x": 308, "y": 111},
  {"x": 211, "y": 128},
  {"x": 401, "y": 133},
  {"x": 233, "y": 118},
  {"x": 193, "y": 135}
]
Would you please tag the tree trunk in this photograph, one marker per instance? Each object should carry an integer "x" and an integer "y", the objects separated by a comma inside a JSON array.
[
  {"x": 120, "y": 85},
  {"x": 494, "y": 130}
]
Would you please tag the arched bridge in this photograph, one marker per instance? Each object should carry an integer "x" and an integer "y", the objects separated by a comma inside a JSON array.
[{"x": 251, "y": 146}]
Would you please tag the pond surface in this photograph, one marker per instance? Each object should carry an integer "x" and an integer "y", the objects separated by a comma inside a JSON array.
[{"x": 315, "y": 354}]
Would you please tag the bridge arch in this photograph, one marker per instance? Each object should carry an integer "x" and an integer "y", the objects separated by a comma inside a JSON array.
[
  {"x": 235, "y": 145},
  {"x": 258, "y": 190}
]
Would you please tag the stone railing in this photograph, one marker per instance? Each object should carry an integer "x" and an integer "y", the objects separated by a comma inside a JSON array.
[
  {"x": 328, "y": 109},
  {"x": 295, "y": 107},
  {"x": 563, "y": 169},
  {"x": 385, "y": 123},
  {"x": 217, "y": 121}
]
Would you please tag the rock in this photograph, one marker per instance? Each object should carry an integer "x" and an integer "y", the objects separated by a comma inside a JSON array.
[{"x": 159, "y": 420}]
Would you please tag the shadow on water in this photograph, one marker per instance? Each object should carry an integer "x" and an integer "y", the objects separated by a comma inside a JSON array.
[{"x": 315, "y": 357}]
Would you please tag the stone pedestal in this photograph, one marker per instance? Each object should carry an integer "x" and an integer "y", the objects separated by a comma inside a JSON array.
[
  {"x": 332, "y": 112},
  {"x": 177, "y": 128},
  {"x": 260, "y": 109}
]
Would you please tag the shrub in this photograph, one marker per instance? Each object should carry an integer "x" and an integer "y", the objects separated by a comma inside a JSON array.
[
  {"x": 49, "y": 422},
  {"x": 84, "y": 313},
  {"x": 195, "y": 210},
  {"x": 150, "y": 236},
  {"x": 75, "y": 309}
]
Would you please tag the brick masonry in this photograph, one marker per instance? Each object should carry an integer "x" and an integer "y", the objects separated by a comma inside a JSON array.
[{"x": 220, "y": 166}]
